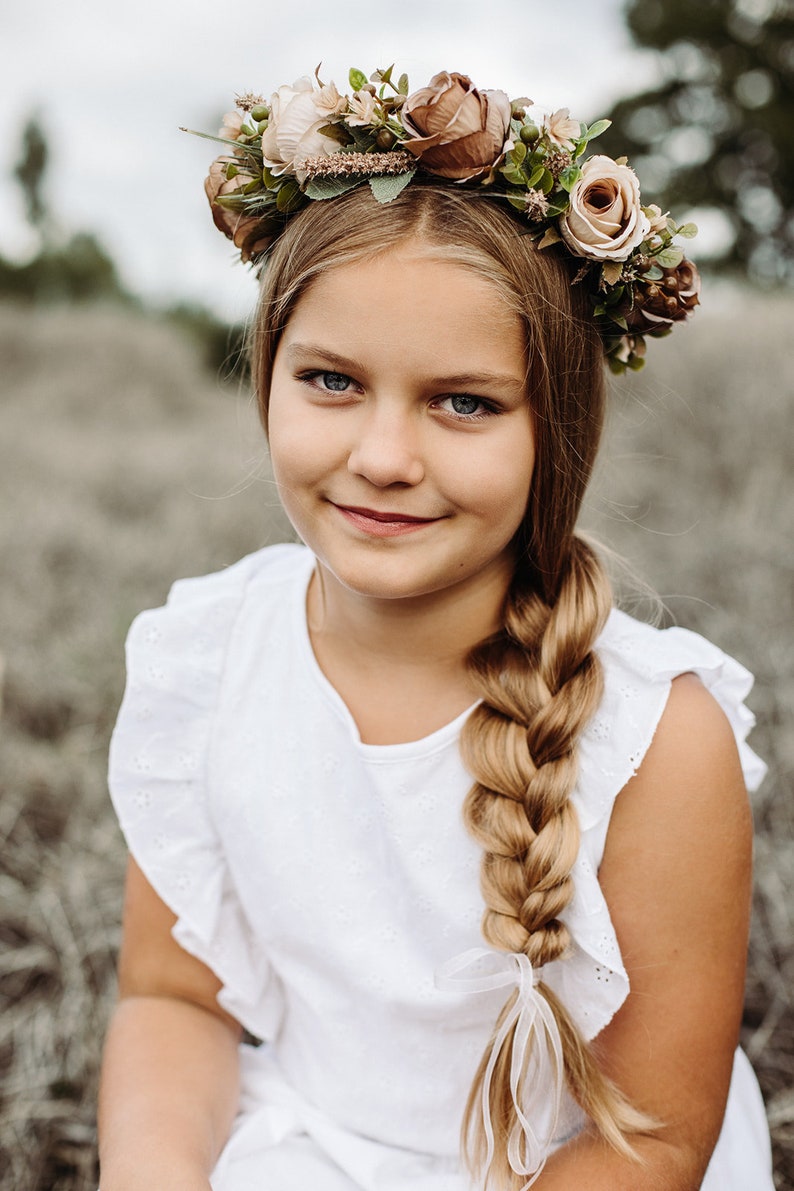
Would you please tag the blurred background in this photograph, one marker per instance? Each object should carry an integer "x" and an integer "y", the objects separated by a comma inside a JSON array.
[{"x": 130, "y": 453}]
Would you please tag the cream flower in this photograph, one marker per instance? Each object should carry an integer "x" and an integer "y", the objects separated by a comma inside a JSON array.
[
  {"x": 328, "y": 100},
  {"x": 605, "y": 221},
  {"x": 293, "y": 132},
  {"x": 232, "y": 126},
  {"x": 363, "y": 109},
  {"x": 561, "y": 129}
]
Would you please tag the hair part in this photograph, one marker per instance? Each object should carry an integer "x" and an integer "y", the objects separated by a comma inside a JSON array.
[{"x": 539, "y": 677}]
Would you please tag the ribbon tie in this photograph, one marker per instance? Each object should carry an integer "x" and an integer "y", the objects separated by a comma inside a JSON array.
[{"x": 536, "y": 1062}]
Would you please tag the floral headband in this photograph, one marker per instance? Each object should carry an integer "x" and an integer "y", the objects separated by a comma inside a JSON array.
[{"x": 312, "y": 143}]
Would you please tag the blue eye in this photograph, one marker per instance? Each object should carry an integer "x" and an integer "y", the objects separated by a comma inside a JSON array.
[
  {"x": 463, "y": 404},
  {"x": 336, "y": 382}
]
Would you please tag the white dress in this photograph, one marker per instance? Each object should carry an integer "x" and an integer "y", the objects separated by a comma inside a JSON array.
[{"x": 325, "y": 881}]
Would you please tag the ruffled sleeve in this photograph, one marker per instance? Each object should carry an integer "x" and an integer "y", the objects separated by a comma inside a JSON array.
[
  {"x": 639, "y": 664},
  {"x": 158, "y": 782}
]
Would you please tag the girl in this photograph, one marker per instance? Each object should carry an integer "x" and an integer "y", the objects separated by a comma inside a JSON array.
[{"x": 322, "y": 748}]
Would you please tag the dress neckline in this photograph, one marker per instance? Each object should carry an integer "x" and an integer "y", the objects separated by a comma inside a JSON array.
[{"x": 377, "y": 753}]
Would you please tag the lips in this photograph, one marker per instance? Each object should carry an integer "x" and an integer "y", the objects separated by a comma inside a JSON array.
[{"x": 382, "y": 522}]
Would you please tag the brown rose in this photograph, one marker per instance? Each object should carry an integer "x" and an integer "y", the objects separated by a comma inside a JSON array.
[
  {"x": 455, "y": 130},
  {"x": 245, "y": 231},
  {"x": 659, "y": 304}
]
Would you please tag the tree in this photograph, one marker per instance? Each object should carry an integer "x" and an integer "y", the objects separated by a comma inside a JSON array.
[
  {"x": 30, "y": 172},
  {"x": 718, "y": 129}
]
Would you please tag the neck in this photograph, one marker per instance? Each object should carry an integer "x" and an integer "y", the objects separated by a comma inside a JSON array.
[{"x": 438, "y": 629}]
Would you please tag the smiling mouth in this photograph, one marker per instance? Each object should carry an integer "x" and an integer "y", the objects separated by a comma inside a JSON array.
[{"x": 383, "y": 524}]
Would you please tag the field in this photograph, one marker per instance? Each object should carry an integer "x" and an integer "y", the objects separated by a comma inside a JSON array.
[{"x": 123, "y": 465}]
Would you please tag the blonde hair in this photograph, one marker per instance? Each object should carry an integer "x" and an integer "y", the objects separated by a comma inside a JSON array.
[{"x": 539, "y": 677}]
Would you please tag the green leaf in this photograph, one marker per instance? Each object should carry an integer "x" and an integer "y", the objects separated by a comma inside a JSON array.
[
  {"x": 289, "y": 197},
  {"x": 653, "y": 274},
  {"x": 357, "y": 79},
  {"x": 270, "y": 180},
  {"x": 669, "y": 258},
  {"x": 596, "y": 129},
  {"x": 382, "y": 76},
  {"x": 402, "y": 85},
  {"x": 517, "y": 199},
  {"x": 326, "y": 188},
  {"x": 569, "y": 177},
  {"x": 535, "y": 177},
  {"x": 688, "y": 231},
  {"x": 512, "y": 175},
  {"x": 518, "y": 152},
  {"x": 388, "y": 186},
  {"x": 546, "y": 183},
  {"x": 336, "y": 132}
]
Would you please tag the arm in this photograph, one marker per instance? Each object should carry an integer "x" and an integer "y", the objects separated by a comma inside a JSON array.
[
  {"x": 676, "y": 875},
  {"x": 168, "y": 1091}
]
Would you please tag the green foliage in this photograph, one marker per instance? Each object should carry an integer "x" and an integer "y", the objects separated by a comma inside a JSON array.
[
  {"x": 718, "y": 130},
  {"x": 77, "y": 271}
]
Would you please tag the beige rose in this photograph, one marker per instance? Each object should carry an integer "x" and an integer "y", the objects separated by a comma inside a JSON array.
[
  {"x": 297, "y": 114},
  {"x": 455, "y": 130},
  {"x": 605, "y": 221},
  {"x": 245, "y": 231}
]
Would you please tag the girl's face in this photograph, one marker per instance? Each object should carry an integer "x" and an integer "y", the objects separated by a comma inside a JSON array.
[{"x": 400, "y": 430}]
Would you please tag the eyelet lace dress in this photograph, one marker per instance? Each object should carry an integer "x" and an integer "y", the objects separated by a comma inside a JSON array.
[{"x": 328, "y": 882}]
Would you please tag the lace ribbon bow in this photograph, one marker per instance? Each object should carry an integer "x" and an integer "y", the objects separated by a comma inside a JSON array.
[{"x": 536, "y": 1063}]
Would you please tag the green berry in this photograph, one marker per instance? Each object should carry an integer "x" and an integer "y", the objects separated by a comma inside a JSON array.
[
  {"x": 529, "y": 133},
  {"x": 260, "y": 112}
]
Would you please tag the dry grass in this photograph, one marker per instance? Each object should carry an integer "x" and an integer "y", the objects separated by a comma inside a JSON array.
[{"x": 123, "y": 466}]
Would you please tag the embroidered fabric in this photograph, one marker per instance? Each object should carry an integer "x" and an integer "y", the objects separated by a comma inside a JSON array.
[{"x": 231, "y": 745}]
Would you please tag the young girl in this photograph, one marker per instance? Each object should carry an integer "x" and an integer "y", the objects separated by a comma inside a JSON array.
[{"x": 462, "y": 845}]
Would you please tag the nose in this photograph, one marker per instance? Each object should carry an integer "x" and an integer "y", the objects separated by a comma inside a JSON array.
[{"x": 387, "y": 448}]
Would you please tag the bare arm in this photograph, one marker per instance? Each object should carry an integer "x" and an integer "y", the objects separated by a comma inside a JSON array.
[
  {"x": 169, "y": 1077},
  {"x": 676, "y": 875}
]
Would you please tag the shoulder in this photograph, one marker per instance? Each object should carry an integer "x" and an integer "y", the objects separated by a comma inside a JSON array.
[{"x": 680, "y": 834}]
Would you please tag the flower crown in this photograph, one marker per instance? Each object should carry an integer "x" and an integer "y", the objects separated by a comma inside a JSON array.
[{"x": 309, "y": 142}]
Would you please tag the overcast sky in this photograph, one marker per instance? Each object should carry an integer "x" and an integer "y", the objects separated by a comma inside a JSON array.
[{"x": 113, "y": 79}]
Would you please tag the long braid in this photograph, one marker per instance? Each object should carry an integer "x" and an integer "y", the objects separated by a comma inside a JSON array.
[{"x": 540, "y": 681}]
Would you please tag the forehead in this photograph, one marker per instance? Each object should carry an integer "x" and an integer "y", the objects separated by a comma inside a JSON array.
[{"x": 415, "y": 306}]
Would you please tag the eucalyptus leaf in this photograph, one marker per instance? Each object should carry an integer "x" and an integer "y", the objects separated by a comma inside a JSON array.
[
  {"x": 326, "y": 188},
  {"x": 535, "y": 177},
  {"x": 669, "y": 258},
  {"x": 569, "y": 177},
  {"x": 653, "y": 274},
  {"x": 357, "y": 79},
  {"x": 546, "y": 183},
  {"x": 512, "y": 175},
  {"x": 388, "y": 186},
  {"x": 688, "y": 230},
  {"x": 596, "y": 129},
  {"x": 518, "y": 152},
  {"x": 402, "y": 85}
]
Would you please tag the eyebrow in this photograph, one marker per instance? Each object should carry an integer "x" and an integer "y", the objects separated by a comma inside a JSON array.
[{"x": 458, "y": 380}]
